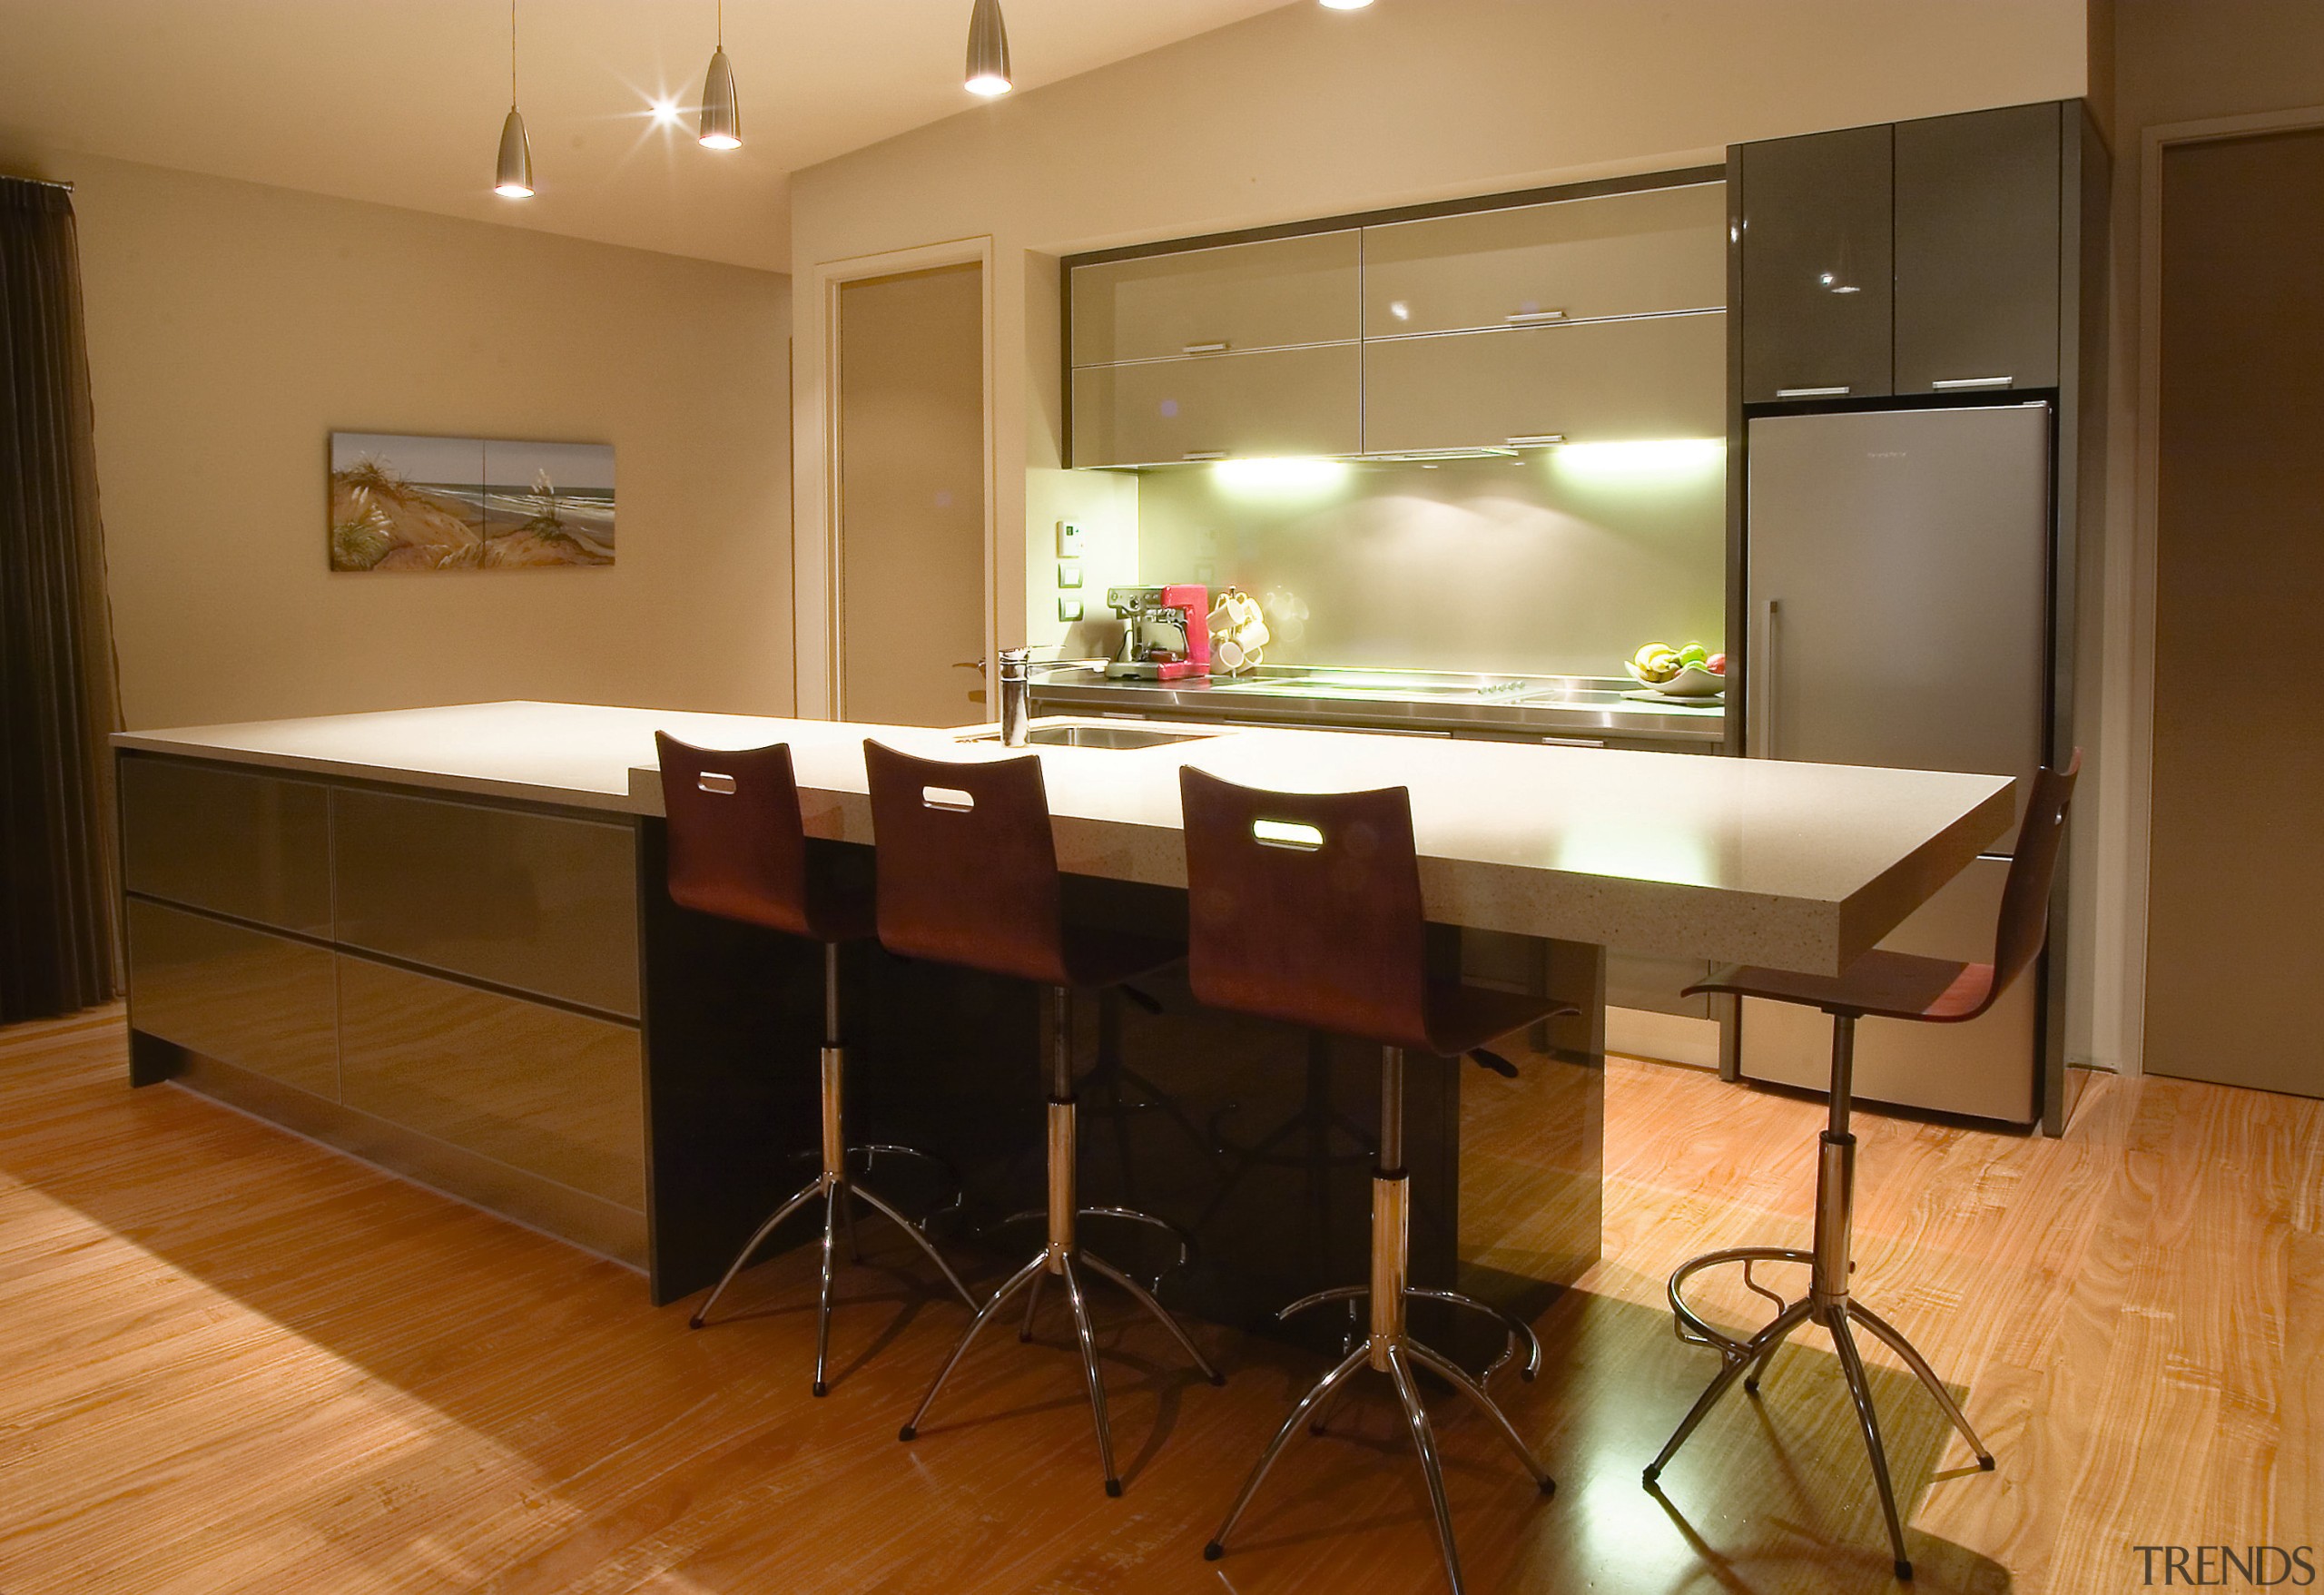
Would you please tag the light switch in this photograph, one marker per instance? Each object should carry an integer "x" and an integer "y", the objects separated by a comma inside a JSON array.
[
  {"x": 1068, "y": 608},
  {"x": 1069, "y": 573},
  {"x": 1069, "y": 539}
]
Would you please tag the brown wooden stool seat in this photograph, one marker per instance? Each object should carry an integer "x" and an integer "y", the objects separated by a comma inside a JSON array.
[
  {"x": 1879, "y": 985},
  {"x": 738, "y": 849},
  {"x": 1306, "y": 907},
  {"x": 969, "y": 876}
]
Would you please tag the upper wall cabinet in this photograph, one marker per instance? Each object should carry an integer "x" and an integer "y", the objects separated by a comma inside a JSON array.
[
  {"x": 1284, "y": 401},
  {"x": 1920, "y": 258},
  {"x": 1277, "y": 294},
  {"x": 1977, "y": 241},
  {"x": 1661, "y": 377},
  {"x": 1816, "y": 240},
  {"x": 1622, "y": 254}
]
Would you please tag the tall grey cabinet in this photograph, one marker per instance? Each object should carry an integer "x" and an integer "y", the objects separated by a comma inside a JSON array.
[{"x": 1954, "y": 260}]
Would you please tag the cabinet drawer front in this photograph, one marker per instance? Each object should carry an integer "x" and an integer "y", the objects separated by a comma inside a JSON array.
[
  {"x": 260, "y": 1002},
  {"x": 1817, "y": 266},
  {"x": 1977, "y": 249},
  {"x": 1270, "y": 295},
  {"x": 1661, "y": 378},
  {"x": 1612, "y": 255},
  {"x": 554, "y": 1093},
  {"x": 1287, "y": 402},
  {"x": 257, "y": 847},
  {"x": 538, "y": 902}
]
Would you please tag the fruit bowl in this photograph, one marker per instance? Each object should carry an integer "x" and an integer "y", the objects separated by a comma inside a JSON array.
[{"x": 1691, "y": 681}]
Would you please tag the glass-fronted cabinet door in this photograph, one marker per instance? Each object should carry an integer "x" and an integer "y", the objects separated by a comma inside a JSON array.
[
  {"x": 1276, "y": 293},
  {"x": 1627, "y": 254},
  {"x": 1977, "y": 241},
  {"x": 1817, "y": 247}
]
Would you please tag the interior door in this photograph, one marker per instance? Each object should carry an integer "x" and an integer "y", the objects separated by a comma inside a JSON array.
[
  {"x": 914, "y": 603},
  {"x": 2236, "y": 888}
]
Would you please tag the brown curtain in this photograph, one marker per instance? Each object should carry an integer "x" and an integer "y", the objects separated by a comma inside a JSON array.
[{"x": 57, "y": 700}]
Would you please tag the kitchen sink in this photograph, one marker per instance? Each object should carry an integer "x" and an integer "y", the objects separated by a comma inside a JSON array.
[{"x": 1100, "y": 736}]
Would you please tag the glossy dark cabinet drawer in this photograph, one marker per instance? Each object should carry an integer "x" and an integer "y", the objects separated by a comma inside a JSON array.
[
  {"x": 554, "y": 1093},
  {"x": 262, "y": 1003},
  {"x": 538, "y": 902},
  {"x": 257, "y": 847}
]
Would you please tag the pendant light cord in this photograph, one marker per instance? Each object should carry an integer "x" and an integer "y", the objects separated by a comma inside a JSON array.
[
  {"x": 722, "y": 22},
  {"x": 512, "y": 54}
]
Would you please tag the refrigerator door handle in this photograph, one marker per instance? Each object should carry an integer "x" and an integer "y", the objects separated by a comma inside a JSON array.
[{"x": 1763, "y": 677}]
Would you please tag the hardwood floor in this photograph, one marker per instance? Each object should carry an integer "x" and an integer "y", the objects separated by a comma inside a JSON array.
[{"x": 233, "y": 1361}]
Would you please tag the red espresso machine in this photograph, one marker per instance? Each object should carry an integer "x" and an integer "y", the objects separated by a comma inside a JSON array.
[{"x": 1166, "y": 632}]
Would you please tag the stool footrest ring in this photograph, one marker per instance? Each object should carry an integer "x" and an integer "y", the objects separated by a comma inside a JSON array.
[{"x": 1694, "y": 1329}]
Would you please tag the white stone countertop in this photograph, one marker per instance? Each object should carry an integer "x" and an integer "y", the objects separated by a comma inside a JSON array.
[{"x": 1802, "y": 866}]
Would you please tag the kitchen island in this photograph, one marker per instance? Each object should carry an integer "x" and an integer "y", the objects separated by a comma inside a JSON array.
[{"x": 438, "y": 938}]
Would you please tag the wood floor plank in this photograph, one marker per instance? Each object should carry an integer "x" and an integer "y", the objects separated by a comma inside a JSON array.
[{"x": 236, "y": 1362}]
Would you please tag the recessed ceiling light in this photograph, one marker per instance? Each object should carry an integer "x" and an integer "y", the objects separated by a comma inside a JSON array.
[{"x": 1346, "y": 5}]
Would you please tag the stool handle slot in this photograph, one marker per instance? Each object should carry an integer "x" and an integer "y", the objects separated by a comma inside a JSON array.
[
  {"x": 714, "y": 781},
  {"x": 951, "y": 799},
  {"x": 1287, "y": 833}
]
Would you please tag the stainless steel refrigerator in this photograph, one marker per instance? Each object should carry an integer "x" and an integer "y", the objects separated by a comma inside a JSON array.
[{"x": 1897, "y": 568}]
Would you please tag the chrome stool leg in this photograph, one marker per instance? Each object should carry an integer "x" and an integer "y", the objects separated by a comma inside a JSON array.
[
  {"x": 1828, "y": 1303},
  {"x": 1389, "y": 1347},
  {"x": 837, "y": 1186},
  {"x": 1063, "y": 1256}
]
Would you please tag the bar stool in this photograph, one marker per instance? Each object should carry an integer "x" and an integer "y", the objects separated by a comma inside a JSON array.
[
  {"x": 1883, "y": 985},
  {"x": 738, "y": 850},
  {"x": 1306, "y": 908},
  {"x": 969, "y": 876}
]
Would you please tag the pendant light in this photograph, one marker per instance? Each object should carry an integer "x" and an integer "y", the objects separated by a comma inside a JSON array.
[
  {"x": 722, "y": 116},
  {"x": 513, "y": 176},
  {"x": 988, "y": 51}
]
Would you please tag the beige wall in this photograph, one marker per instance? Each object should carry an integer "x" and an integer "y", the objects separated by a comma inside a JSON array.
[
  {"x": 1304, "y": 112},
  {"x": 2174, "y": 62},
  {"x": 233, "y": 327}
]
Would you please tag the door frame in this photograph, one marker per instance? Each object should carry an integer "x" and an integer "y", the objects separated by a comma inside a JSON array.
[
  {"x": 818, "y": 613},
  {"x": 2131, "y": 596}
]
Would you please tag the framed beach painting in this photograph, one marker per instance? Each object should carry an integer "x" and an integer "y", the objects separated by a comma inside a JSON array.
[{"x": 411, "y": 503}]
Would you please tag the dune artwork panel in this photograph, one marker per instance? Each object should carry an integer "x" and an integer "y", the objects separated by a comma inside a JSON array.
[{"x": 407, "y": 503}]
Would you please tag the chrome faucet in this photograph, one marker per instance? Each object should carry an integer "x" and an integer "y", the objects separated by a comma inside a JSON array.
[{"x": 1016, "y": 673}]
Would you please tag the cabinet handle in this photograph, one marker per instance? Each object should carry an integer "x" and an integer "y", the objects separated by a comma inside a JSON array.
[
  {"x": 1527, "y": 317},
  {"x": 1840, "y": 392},
  {"x": 1533, "y": 441},
  {"x": 1197, "y": 455},
  {"x": 1573, "y": 742},
  {"x": 1944, "y": 382},
  {"x": 1206, "y": 348}
]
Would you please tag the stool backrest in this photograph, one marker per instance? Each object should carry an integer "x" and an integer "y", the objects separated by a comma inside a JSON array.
[
  {"x": 737, "y": 848},
  {"x": 968, "y": 866},
  {"x": 1306, "y": 907},
  {"x": 2025, "y": 895}
]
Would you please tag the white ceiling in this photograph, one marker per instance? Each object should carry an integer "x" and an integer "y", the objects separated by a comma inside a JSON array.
[{"x": 402, "y": 101}]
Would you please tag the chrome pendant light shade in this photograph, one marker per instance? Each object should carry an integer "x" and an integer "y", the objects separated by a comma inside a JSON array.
[
  {"x": 512, "y": 174},
  {"x": 988, "y": 51},
  {"x": 721, "y": 125},
  {"x": 513, "y": 179},
  {"x": 722, "y": 116}
]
